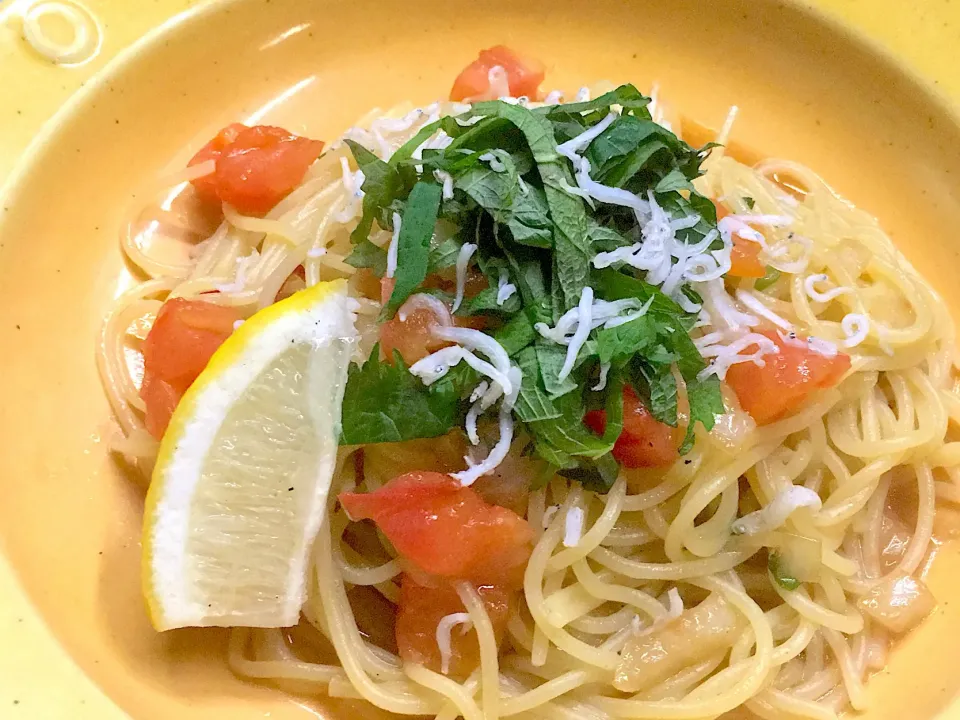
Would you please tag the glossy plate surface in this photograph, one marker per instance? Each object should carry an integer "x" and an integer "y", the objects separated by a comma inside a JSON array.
[{"x": 70, "y": 520}]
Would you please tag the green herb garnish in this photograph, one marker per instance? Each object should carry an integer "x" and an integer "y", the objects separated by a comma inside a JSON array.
[
  {"x": 783, "y": 577},
  {"x": 413, "y": 245},
  {"x": 383, "y": 402},
  {"x": 771, "y": 276},
  {"x": 512, "y": 199}
]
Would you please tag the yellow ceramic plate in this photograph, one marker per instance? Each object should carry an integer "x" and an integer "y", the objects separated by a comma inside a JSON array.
[{"x": 69, "y": 519}]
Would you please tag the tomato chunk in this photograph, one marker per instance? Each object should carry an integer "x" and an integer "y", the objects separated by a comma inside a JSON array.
[
  {"x": 644, "y": 441},
  {"x": 410, "y": 330},
  {"x": 206, "y": 186},
  {"x": 161, "y": 399},
  {"x": 446, "y": 530},
  {"x": 256, "y": 167},
  {"x": 745, "y": 257},
  {"x": 387, "y": 284},
  {"x": 176, "y": 350},
  {"x": 783, "y": 384},
  {"x": 524, "y": 75},
  {"x": 420, "y": 612}
]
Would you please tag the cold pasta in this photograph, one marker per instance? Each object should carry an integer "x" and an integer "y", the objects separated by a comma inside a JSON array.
[{"x": 636, "y": 425}]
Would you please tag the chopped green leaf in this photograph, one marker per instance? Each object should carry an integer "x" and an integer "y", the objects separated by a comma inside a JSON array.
[
  {"x": 783, "y": 577},
  {"x": 560, "y": 440},
  {"x": 516, "y": 334},
  {"x": 623, "y": 341},
  {"x": 367, "y": 255},
  {"x": 486, "y": 301},
  {"x": 533, "y": 403},
  {"x": 706, "y": 402},
  {"x": 663, "y": 396},
  {"x": 566, "y": 125},
  {"x": 405, "y": 152},
  {"x": 695, "y": 204},
  {"x": 413, "y": 244},
  {"x": 491, "y": 190},
  {"x": 443, "y": 255},
  {"x": 551, "y": 358},
  {"x": 749, "y": 202},
  {"x": 627, "y": 96},
  {"x": 689, "y": 361},
  {"x": 613, "y": 285},
  {"x": 380, "y": 186},
  {"x": 628, "y": 146},
  {"x": 527, "y": 275},
  {"x": 518, "y": 210},
  {"x": 385, "y": 403},
  {"x": 673, "y": 181},
  {"x": 572, "y": 250},
  {"x": 769, "y": 278},
  {"x": 530, "y": 222},
  {"x": 613, "y": 407},
  {"x": 604, "y": 238},
  {"x": 491, "y": 132}
]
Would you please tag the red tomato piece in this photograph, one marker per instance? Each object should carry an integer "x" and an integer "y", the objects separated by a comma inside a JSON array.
[
  {"x": 206, "y": 186},
  {"x": 644, "y": 441},
  {"x": 524, "y": 75},
  {"x": 783, "y": 384},
  {"x": 446, "y": 530},
  {"x": 262, "y": 165},
  {"x": 176, "y": 350},
  {"x": 386, "y": 289},
  {"x": 410, "y": 330},
  {"x": 745, "y": 256},
  {"x": 161, "y": 399},
  {"x": 420, "y": 611},
  {"x": 745, "y": 259},
  {"x": 256, "y": 167}
]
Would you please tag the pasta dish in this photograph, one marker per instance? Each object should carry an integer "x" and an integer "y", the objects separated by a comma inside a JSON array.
[{"x": 518, "y": 405}]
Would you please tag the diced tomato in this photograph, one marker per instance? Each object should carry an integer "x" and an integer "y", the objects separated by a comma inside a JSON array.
[
  {"x": 256, "y": 167},
  {"x": 644, "y": 441},
  {"x": 422, "y": 608},
  {"x": 206, "y": 186},
  {"x": 410, "y": 331},
  {"x": 176, "y": 350},
  {"x": 745, "y": 259},
  {"x": 697, "y": 135},
  {"x": 446, "y": 530},
  {"x": 524, "y": 75},
  {"x": 745, "y": 256},
  {"x": 161, "y": 399},
  {"x": 722, "y": 210},
  {"x": 785, "y": 381},
  {"x": 386, "y": 289}
]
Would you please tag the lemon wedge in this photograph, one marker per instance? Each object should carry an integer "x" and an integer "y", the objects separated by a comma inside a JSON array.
[{"x": 240, "y": 486}]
